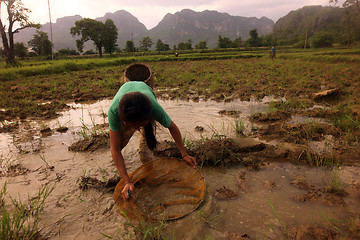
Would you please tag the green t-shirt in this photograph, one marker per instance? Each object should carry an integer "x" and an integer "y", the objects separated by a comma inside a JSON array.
[{"x": 134, "y": 86}]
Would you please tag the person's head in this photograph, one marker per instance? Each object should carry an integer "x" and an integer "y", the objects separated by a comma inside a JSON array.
[{"x": 135, "y": 111}]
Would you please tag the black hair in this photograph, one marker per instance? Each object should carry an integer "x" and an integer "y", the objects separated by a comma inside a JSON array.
[{"x": 137, "y": 107}]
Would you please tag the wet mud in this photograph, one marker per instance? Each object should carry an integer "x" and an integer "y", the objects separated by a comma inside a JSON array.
[
  {"x": 91, "y": 144},
  {"x": 86, "y": 183},
  {"x": 277, "y": 161}
]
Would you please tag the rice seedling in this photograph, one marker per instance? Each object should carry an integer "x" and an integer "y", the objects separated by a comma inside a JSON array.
[
  {"x": 6, "y": 162},
  {"x": 277, "y": 217},
  {"x": 329, "y": 222},
  {"x": 321, "y": 160},
  {"x": 335, "y": 185},
  {"x": 211, "y": 219},
  {"x": 353, "y": 227},
  {"x": 103, "y": 172},
  {"x": 103, "y": 114},
  {"x": 42, "y": 157},
  {"x": 87, "y": 132},
  {"x": 145, "y": 230},
  {"x": 20, "y": 220},
  {"x": 207, "y": 237},
  {"x": 239, "y": 127}
]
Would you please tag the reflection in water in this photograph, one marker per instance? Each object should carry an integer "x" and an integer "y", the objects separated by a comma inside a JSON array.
[{"x": 251, "y": 212}]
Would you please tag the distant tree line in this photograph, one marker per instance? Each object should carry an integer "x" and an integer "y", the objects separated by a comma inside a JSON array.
[
  {"x": 317, "y": 26},
  {"x": 314, "y": 26}
]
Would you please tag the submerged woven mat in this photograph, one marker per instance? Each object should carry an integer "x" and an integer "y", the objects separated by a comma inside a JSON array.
[{"x": 165, "y": 189}]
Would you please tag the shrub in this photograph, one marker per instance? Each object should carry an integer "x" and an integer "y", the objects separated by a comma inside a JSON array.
[{"x": 322, "y": 39}]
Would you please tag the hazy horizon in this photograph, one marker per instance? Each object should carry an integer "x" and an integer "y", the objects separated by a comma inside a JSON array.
[{"x": 151, "y": 13}]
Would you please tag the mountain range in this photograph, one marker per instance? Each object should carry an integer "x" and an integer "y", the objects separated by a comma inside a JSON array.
[{"x": 172, "y": 29}]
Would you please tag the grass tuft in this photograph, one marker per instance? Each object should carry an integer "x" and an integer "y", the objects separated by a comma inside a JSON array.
[{"x": 20, "y": 220}]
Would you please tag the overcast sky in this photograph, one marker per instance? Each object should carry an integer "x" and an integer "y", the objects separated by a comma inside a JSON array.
[{"x": 151, "y": 13}]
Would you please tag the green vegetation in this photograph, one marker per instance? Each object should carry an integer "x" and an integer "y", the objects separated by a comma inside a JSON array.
[
  {"x": 102, "y": 34},
  {"x": 239, "y": 126},
  {"x": 145, "y": 230},
  {"x": 145, "y": 44},
  {"x": 335, "y": 184},
  {"x": 20, "y": 220},
  {"x": 319, "y": 25},
  {"x": 41, "y": 44},
  {"x": 277, "y": 217},
  {"x": 242, "y": 73},
  {"x": 17, "y": 15},
  {"x": 318, "y": 160}
]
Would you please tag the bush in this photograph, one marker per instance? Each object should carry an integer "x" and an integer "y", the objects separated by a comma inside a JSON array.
[
  {"x": 301, "y": 44},
  {"x": 322, "y": 39},
  {"x": 90, "y": 52},
  {"x": 66, "y": 51}
]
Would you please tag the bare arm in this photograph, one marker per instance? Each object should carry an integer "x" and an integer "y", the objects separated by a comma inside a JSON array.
[
  {"x": 176, "y": 134},
  {"x": 115, "y": 142}
]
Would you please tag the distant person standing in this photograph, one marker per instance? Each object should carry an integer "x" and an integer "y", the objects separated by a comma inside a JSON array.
[{"x": 273, "y": 52}]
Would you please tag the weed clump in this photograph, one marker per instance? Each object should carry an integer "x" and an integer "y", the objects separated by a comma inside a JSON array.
[{"x": 20, "y": 220}]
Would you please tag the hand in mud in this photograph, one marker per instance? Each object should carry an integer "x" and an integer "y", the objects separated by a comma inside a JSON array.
[
  {"x": 190, "y": 160},
  {"x": 128, "y": 191}
]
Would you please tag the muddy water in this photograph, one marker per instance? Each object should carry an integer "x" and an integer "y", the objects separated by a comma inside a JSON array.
[
  {"x": 252, "y": 212},
  {"x": 264, "y": 205}
]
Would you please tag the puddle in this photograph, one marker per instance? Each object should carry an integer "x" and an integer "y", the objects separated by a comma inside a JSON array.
[
  {"x": 251, "y": 213},
  {"x": 305, "y": 120},
  {"x": 264, "y": 199},
  {"x": 203, "y": 114}
]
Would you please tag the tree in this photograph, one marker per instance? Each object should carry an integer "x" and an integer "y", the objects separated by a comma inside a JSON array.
[
  {"x": 322, "y": 39},
  {"x": 161, "y": 46},
  {"x": 189, "y": 44},
  {"x": 269, "y": 40},
  {"x": 110, "y": 36},
  {"x": 185, "y": 46},
  {"x": 145, "y": 44},
  {"x": 238, "y": 42},
  {"x": 201, "y": 45},
  {"x": 254, "y": 40},
  {"x": 224, "y": 42},
  {"x": 348, "y": 3},
  {"x": 41, "y": 44},
  {"x": 20, "y": 50},
  {"x": 79, "y": 45},
  {"x": 89, "y": 29},
  {"x": 17, "y": 13},
  {"x": 129, "y": 46}
]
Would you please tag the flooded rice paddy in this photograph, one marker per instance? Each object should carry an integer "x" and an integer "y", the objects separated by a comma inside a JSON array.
[{"x": 278, "y": 200}]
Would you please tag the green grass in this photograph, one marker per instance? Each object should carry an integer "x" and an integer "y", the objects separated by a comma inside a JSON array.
[
  {"x": 239, "y": 126},
  {"x": 321, "y": 160},
  {"x": 232, "y": 73},
  {"x": 143, "y": 230},
  {"x": 335, "y": 185},
  {"x": 20, "y": 220},
  {"x": 80, "y": 64},
  {"x": 278, "y": 218},
  {"x": 345, "y": 120}
]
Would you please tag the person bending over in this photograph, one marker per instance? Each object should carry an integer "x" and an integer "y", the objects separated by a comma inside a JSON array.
[{"x": 134, "y": 108}]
